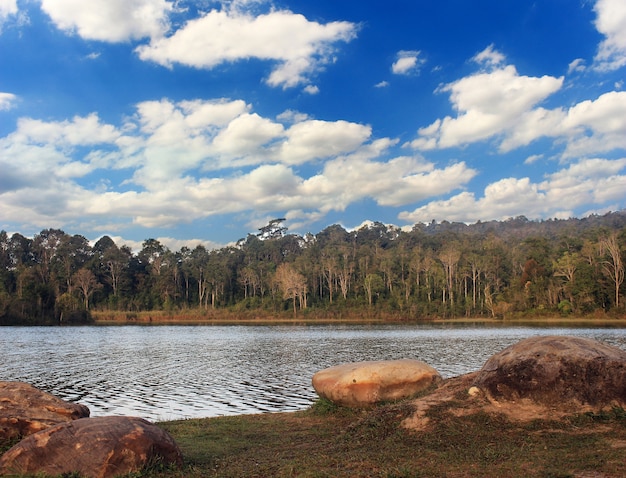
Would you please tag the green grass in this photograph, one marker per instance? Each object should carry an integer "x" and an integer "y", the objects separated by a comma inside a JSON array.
[{"x": 331, "y": 441}]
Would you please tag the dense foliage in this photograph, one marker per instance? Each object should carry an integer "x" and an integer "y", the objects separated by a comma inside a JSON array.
[{"x": 439, "y": 269}]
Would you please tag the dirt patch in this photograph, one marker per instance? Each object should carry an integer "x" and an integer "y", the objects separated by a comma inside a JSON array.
[{"x": 454, "y": 394}]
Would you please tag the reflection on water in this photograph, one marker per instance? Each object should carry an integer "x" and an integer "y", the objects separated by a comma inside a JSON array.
[{"x": 172, "y": 372}]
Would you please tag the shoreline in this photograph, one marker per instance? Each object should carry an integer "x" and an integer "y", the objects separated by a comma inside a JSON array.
[{"x": 226, "y": 317}]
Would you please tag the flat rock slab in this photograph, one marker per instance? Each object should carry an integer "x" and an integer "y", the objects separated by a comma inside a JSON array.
[
  {"x": 99, "y": 447},
  {"x": 25, "y": 410},
  {"x": 557, "y": 371},
  {"x": 364, "y": 384}
]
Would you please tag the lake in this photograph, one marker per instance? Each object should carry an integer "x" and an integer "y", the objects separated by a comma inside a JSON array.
[{"x": 173, "y": 372}]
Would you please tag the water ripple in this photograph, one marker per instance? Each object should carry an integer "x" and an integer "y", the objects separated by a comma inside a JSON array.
[{"x": 173, "y": 372}]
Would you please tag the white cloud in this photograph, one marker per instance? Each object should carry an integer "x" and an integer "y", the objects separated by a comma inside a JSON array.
[
  {"x": 38, "y": 156},
  {"x": 299, "y": 46},
  {"x": 587, "y": 128},
  {"x": 246, "y": 134},
  {"x": 576, "y": 66},
  {"x": 611, "y": 22},
  {"x": 502, "y": 105},
  {"x": 596, "y": 181},
  {"x": 171, "y": 243},
  {"x": 80, "y": 131},
  {"x": 215, "y": 135},
  {"x": 533, "y": 158},
  {"x": 41, "y": 169},
  {"x": 315, "y": 139},
  {"x": 488, "y": 104},
  {"x": 501, "y": 200},
  {"x": 7, "y": 101},
  {"x": 596, "y": 126},
  {"x": 382, "y": 84},
  {"x": 151, "y": 174},
  {"x": 399, "y": 181},
  {"x": 7, "y": 7},
  {"x": 311, "y": 89},
  {"x": 407, "y": 62},
  {"x": 292, "y": 116},
  {"x": 110, "y": 20},
  {"x": 489, "y": 57}
]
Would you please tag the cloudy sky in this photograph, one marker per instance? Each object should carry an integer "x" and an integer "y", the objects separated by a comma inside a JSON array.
[{"x": 201, "y": 120}]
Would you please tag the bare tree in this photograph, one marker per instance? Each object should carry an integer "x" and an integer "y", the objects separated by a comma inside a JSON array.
[
  {"x": 87, "y": 283},
  {"x": 329, "y": 271},
  {"x": 292, "y": 284},
  {"x": 449, "y": 258},
  {"x": 346, "y": 270},
  {"x": 372, "y": 284},
  {"x": 612, "y": 265},
  {"x": 250, "y": 281}
]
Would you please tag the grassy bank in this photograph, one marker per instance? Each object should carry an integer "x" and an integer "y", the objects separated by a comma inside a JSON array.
[
  {"x": 327, "y": 441},
  {"x": 260, "y": 316}
]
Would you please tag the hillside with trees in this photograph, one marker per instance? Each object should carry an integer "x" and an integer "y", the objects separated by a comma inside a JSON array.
[{"x": 487, "y": 269}]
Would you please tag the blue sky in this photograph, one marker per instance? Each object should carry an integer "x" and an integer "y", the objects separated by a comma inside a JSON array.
[{"x": 199, "y": 121}]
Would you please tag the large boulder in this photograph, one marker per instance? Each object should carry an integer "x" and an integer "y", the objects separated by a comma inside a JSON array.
[
  {"x": 25, "y": 410},
  {"x": 364, "y": 384},
  {"x": 560, "y": 372},
  {"x": 99, "y": 447}
]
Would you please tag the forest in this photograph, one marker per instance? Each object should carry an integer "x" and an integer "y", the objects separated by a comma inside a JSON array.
[{"x": 487, "y": 269}]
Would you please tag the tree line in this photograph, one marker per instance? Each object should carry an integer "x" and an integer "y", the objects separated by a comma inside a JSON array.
[{"x": 434, "y": 270}]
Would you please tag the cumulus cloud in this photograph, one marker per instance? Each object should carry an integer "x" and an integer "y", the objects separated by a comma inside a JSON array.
[
  {"x": 503, "y": 106},
  {"x": 173, "y": 162},
  {"x": 222, "y": 134},
  {"x": 597, "y": 181},
  {"x": 299, "y": 47},
  {"x": 7, "y": 100},
  {"x": 400, "y": 181},
  {"x": 314, "y": 139},
  {"x": 80, "y": 131},
  {"x": 611, "y": 22},
  {"x": 488, "y": 104},
  {"x": 407, "y": 62},
  {"x": 587, "y": 128},
  {"x": 246, "y": 134},
  {"x": 110, "y": 20}
]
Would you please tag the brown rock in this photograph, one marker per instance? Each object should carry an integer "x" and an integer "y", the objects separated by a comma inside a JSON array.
[
  {"x": 25, "y": 410},
  {"x": 557, "y": 371},
  {"x": 99, "y": 447},
  {"x": 364, "y": 384}
]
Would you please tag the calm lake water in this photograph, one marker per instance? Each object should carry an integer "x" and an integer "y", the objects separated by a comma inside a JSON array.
[{"x": 172, "y": 372}]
